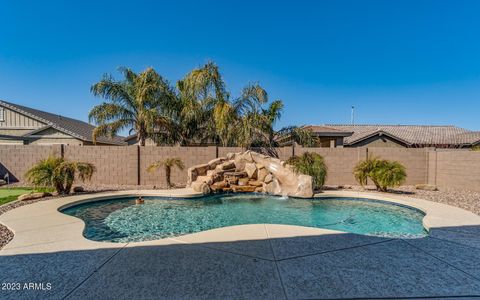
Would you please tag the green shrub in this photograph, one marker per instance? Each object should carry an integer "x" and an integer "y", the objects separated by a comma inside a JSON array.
[
  {"x": 167, "y": 164},
  {"x": 311, "y": 164},
  {"x": 383, "y": 173},
  {"x": 59, "y": 173}
]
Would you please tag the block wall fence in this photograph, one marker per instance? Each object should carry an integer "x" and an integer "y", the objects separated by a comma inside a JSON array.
[{"x": 126, "y": 165}]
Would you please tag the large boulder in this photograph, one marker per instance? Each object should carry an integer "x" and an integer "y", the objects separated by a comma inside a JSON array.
[
  {"x": 268, "y": 178},
  {"x": 247, "y": 172},
  {"x": 195, "y": 171},
  {"x": 215, "y": 162},
  {"x": 207, "y": 179},
  {"x": 291, "y": 184},
  {"x": 33, "y": 196},
  {"x": 251, "y": 170},
  {"x": 262, "y": 173},
  {"x": 201, "y": 187},
  {"x": 273, "y": 187},
  {"x": 228, "y": 165}
]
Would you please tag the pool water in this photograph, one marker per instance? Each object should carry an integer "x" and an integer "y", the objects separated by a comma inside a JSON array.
[{"x": 121, "y": 220}]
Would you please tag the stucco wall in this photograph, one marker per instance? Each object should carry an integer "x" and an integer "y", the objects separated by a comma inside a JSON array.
[
  {"x": 53, "y": 141},
  {"x": 10, "y": 142},
  {"x": 379, "y": 142},
  {"x": 50, "y": 136}
]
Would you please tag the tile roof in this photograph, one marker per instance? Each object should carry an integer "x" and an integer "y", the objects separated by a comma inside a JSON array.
[
  {"x": 411, "y": 134},
  {"x": 472, "y": 137},
  {"x": 73, "y": 127},
  {"x": 319, "y": 129}
]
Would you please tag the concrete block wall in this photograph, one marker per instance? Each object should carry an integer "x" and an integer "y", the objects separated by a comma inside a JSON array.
[
  {"x": 115, "y": 165},
  {"x": 414, "y": 160},
  {"x": 223, "y": 151},
  {"x": 432, "y": 167},
  {"x": 448, "y": 169},
  {"x": 284, "y": 153},
  {"x": 189, "y": 155},
  {"x": 340, "y": 162},
  {"x": 458, "y": 170},
  {"x": 17, "y": 159}
]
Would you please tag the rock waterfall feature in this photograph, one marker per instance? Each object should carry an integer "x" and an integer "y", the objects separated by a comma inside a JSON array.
[{"x": 249, "y": 172}]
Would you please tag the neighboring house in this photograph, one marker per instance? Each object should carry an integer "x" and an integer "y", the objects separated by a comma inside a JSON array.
[
  {"x": 329, "y": 137},
  {"x": 408, "y": 136},
  {"x": 23, "y": 125},
  {"x": 132, "y": 140}
]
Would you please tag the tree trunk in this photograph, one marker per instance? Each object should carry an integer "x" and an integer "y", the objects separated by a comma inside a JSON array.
[
  {"x": 167, "y": 176},
  {"x": 59, "y": 187}
]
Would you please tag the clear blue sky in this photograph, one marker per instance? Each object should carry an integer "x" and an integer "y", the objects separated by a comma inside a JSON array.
[{"x": 398, "y": 62}]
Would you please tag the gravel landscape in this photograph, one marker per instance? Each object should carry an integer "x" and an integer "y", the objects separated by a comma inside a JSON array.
[{"x": 468, "y": 200}]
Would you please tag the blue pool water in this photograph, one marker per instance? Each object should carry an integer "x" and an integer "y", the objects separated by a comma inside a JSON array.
[{"x": 121, "y": 220}]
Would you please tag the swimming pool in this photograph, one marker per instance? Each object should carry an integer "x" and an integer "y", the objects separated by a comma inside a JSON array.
[{"x": 121, "y": 220}]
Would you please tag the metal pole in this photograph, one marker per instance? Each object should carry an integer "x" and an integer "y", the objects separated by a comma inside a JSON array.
[{"x": 353, "y": 115}]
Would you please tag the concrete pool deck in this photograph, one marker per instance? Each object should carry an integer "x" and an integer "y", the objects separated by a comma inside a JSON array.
[{"x": 247, "y": 261}]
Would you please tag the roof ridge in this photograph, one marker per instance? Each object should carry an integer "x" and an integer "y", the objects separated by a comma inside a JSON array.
[
  {"x": 387, "y": 125},
  {"x": 18, "y": 106}
]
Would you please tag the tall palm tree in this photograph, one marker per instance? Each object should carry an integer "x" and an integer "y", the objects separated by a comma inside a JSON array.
[
  {"x": 203, "y": 94},
  {"x": 298, "y": 134},
  {"x": 134, "y": 103},
  {"x": 269, "y": 117},
  {"x": 249, "y": 125},
  {"x": 167, "y": 164},
  {"x": 199, "y": 110},
  {"x": 188, "y": 118}
]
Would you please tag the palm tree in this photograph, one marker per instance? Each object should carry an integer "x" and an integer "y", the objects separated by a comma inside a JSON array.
[
  {"x": 59, "y": 173},
  {"x": 256, "y": 126},
  {"x": 167, "y": 164},
  {"x": 248, "y": 125},
  {"x": 298, "y": 134},
  {"x": 199, "y": 110},
  {"x": 134, "y": 103},
  {"x": 189, "y": 117},
  {"x": 203, "y": 95}
]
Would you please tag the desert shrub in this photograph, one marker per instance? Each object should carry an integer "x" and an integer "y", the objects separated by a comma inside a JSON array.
[
  {"x": 167, "y": 164},
  {"x": 383, "y": 173},
  {"x": 312, "y": 164},
  {"x": 59, "y": 173}
]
